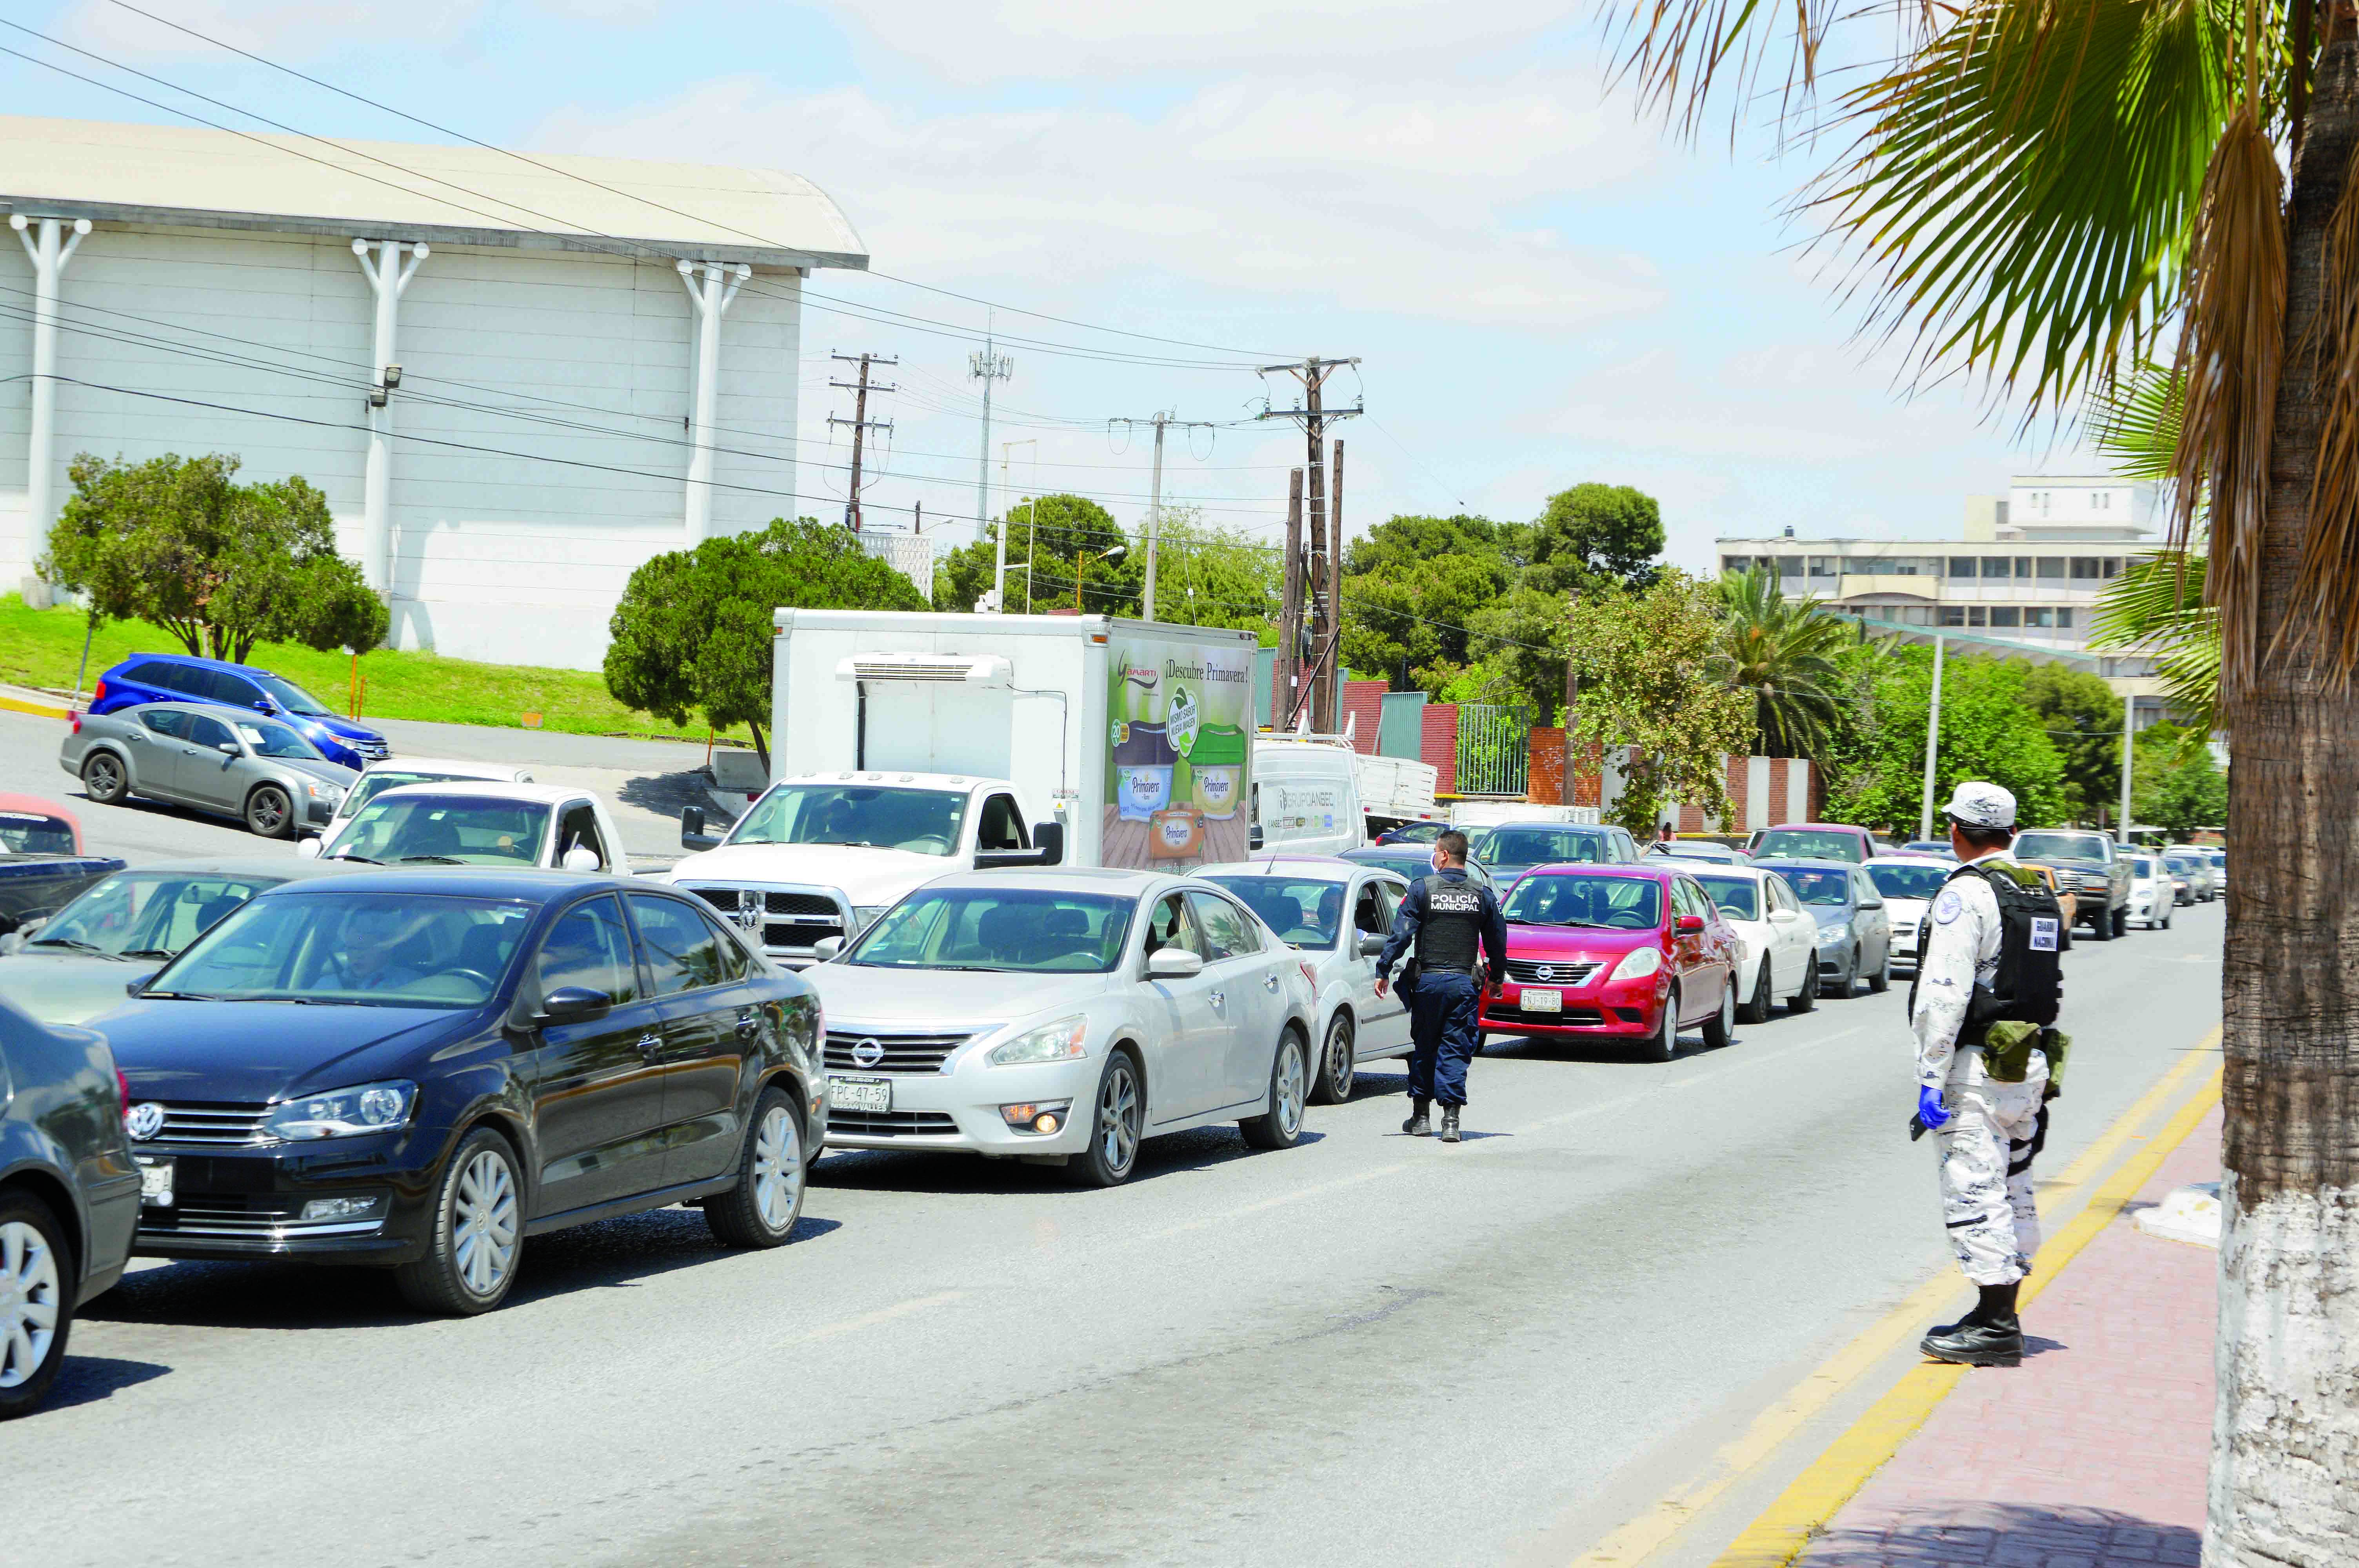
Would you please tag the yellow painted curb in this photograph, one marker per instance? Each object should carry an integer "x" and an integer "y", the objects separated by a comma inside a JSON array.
[
  {"x": 1639, "y": 1537},
  {"x": 1785, "y": 1527},
  {"x": 38, "y": 710}
]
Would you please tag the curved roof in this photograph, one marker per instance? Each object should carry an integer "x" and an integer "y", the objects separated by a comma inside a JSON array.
[
  {"x": 35, "y": 806},
  {"x": 411, "y": 190}
]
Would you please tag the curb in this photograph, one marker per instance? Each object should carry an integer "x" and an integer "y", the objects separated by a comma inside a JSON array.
[{"x": 38, "y": 710}]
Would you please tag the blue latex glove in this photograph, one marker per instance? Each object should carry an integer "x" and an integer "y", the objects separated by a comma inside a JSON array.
[{"x": 1929, "y": 1111}]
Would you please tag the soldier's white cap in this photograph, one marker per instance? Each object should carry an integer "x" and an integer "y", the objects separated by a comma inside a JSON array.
[{"x": 1979, "y": 804}]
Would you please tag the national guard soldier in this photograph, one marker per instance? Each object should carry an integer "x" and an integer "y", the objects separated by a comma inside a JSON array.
[
  {"x": 1449, "y": 917},
  {"x": 1987, "y": 990}
]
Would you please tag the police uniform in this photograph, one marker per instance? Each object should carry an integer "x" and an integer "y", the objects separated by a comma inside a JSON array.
[{"x": 1454, "y": 923}]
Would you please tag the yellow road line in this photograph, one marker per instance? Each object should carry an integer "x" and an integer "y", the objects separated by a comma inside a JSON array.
[
  {"x": 1639, "y": 1537},
  {"x": 38, "y": 710},
  {"x": 1785, "y": 1527}
]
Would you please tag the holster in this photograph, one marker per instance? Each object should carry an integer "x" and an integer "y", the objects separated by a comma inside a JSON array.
[{"x": 2006, "y": 1051}]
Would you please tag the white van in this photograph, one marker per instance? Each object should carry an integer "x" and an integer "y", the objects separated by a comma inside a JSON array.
[{"x": 1306, "y": 796}]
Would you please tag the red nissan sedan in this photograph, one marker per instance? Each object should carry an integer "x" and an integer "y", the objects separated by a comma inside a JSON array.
[{"x": 1638, "y": 952}]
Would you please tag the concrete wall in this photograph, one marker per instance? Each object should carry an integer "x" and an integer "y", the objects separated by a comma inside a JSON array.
[{"x": 568, "y": 376}]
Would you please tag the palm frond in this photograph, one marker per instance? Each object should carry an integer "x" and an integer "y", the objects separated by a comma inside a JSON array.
[
  {"x": 2323, "y": 612},
  {"x": 1680, "y": 53},
  {"x": 2135, "y": 423},
  {"x": 2155, "y": 608},
  {"x": 1783, "y": 650}
]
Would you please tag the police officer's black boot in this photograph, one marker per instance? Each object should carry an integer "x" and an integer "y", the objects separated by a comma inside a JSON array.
[
  {"x": 1990, "y": 1335},
  {"x": 1418, "y": 1125},
  {"x": 1449, "y": 1124}
]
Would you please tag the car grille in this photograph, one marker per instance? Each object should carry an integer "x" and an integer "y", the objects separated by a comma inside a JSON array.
[
  {"x": 1580, "y": 1016},
  {"x": 1560, "y": 972},
  {"x": 790, "y": 919},
  {"x": 224, "y": 1126},
  {"x": 374, "y": 750},
  {"x": 902, "y": 1053},
  {"x": 236, "y": 1215},
  {"x": 891, "y": 1124}
]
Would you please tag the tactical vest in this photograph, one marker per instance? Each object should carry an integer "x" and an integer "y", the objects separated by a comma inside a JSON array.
[
  {"x": 2029, "y": 985},
  {"x": 1449, "y": 937}
]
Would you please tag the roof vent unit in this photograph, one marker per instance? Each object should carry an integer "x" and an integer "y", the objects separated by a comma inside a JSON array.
[{"x": 989, "y": 670}]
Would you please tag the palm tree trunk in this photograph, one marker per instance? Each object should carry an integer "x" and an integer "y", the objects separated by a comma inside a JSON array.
[{"x": 2286, "y": 1432}]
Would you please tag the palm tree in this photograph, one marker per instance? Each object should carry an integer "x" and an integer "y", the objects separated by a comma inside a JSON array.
[
  {"x": 2041, "y": 193},
  {"x": 2157, "y": 607},
  {"x": 1785, "y": 651}
]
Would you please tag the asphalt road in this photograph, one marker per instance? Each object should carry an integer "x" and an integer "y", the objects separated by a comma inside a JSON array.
[{"x": 1365, "y": 1349}]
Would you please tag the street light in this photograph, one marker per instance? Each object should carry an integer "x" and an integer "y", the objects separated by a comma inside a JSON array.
[{"x": 1083, "y": 558}]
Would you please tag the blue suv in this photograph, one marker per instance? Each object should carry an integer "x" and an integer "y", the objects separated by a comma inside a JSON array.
[{"x": 176, "y": 677}]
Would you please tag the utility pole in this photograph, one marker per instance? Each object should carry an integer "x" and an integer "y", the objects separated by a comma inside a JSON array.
[
  {"x": 861, "y": 425},
  {"x": 1316, "y": 579},
  {"x": 1290, "y": 615},
  {"x": 1932, "y": 741},
  {"x": 1161, "y": 421},
  {"x": 990, "y": 366},
  {"x": 2129, "y": 750}
]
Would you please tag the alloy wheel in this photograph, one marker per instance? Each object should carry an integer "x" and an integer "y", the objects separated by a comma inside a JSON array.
[
  {"x": 266, "y": 813},
  {"x": 1289, "y": 1087},
  {"x": 778, "y": 1167},
  {"x": 30, "y": 1299},
  {"x": 1342, "y": 1059},
  {"x": 484, "y": 1223},
  {"x": 1118, "y": 1113}
]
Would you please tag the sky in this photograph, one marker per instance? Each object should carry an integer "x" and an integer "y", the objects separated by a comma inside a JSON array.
[{"x": 1541, "y": 288}]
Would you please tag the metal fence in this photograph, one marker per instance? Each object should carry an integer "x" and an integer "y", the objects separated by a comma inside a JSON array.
[{"x": 1495, "y": 750}]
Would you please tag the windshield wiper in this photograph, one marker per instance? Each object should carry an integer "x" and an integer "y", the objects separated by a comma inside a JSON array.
[
  {"x": 348, "y": 855},
  {"x": 178, "y": 996},
  {"x": 976, "y": 968},
  {"x": 145, "y": 953},
  {"x": 429, "y": 861},
  {"x": 76, "y": 943}
]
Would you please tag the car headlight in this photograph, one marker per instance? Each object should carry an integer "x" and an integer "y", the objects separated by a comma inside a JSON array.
[
  {"x": 343, "y": 1113},
  {"x": 864, "y": 915},
  {"x": 1833, "y": 935},
  {"x": 1063, "y": 1041},
  {"x": 1638, "y": 964},
  {"x": 326, "y": 792}
]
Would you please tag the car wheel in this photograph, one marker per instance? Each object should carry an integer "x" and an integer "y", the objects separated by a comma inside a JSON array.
[
  {"x": 761, "y": 1209},
  {"x": 1881, "y": 981},
  {"x": 1280, "y": 1127},
  {"x": 2166, "y": 921},
  {"x": 1806, "y": 999},
  {"x": 1720, "y": 1029},
  {"x": 103, "y": 778},
  {"x": 1758, "y": 1009},
  {"x": 1338, "y": 1063},
  {"x": 2121, "y": 922},
  {"x": 36, "y": 1303},
  {"x": 2101, "y": 929},
  {"x": 1665, "y": 1042},
  {"x": 478, "y": 1232},
  {"x": 269, "y": 813},
  {"x": 1120, "y": 1115}
]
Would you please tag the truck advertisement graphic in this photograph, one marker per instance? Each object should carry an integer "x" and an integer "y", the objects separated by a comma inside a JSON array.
[{"x": 1178, "y": 751}]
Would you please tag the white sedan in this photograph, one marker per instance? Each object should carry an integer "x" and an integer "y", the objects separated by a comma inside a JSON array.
[
  {"x": 1777, "y": 953},
  {"x": 1061, "y": 1017},
  {"x": 1336, "y": 913},
  {"x": 1909, "y": 883}
]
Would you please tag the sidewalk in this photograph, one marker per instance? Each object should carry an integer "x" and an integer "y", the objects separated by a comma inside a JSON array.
[{"x": 2093, "y": 1452}]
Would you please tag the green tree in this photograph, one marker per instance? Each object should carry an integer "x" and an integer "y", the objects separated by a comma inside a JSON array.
[
  {"x": 963, "y": 576},
  {"x": 1412, "y": 587},
  {"x": 1783, "y": 653},
  {"x": 693, "y": 630},
  {"x": 2083, "y": 721},
  {"x": 1208, "y": 576},
  {"x": 1053, "y": 531},
  {"x": 219, "y": 565},
  {"x": 1593, "y": 534},
  {"x": 1644, "y": 658},
  {"x": 2176, "y": 783},
  {"x": 1987, "y": 732}
]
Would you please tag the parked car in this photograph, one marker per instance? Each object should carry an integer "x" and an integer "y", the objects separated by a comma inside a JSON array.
[
  {"x": 1777, "y": 958},
  {"x": 1698, "y": 850},
  {"x": 1909, "y": 884},
  {"x": 1336, "y": 913},
  {"x": 179, "y": 677},
  {"x": 1511, "y": 848},
  {"x": 74, "y": 964},
  {"x": 484, "y": 1056},
  {"x": 2219, "y": 859},
  {"x": 2067, "y": 901},
  {"x": 1855, "y": 936},
  {"x": 2154, "y": 892},
  {"x": 241, "y": 765},
  {"x": 379, "y": 777},
  {"x": 1064, "y": 1016},
  {"x": 42, "y": 862},
  {"x": 1628, "y": 951},
  {"x": 1813, "y": 841},
  {"x": 68, "y": 1194},
  {"x": 1939, "y": 847},
  {"x": 511, "y": 825},
  {"x": 1414, "y": 862},
  {"x": 2186, "y": 878},
  {"x": 2092, "y": 866},
  {"x": 2202, "y": 882},
  {"x": 1413, "y": 833}
]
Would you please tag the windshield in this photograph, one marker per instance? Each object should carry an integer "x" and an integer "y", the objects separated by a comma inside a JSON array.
[
  {"x": 2141, "y": 868},
  {"x": 1614, "y": 904},
  {"x": 923, "y": 821},
  {"x": 1908, "y": 882},
  {"x": 1540, "y": 846},
  {"x": 377, "y": 781},
  {"x": 147, "y": 915},
  {"x": 290, "y": 697},
  {"x": 1827, "y": 889},
  {"x": 2060, "y": 847},
  {"x": 2179, "y": 863},
  {"x": 998, "y": 928},
  {"x": 1304, "y": 913},
  {"x": 1736, "y": 896},
  {"x": 1811, "y": 843},
  {"x": 372, "y": 949},
  {"x": 28, "y": 833},
  {"x": 275, "y": 740},
  {"x": 445, "y": 830}
]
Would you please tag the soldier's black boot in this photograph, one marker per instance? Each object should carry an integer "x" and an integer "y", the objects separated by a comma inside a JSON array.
[
  {"x": 1418, "y": 1125},
  {"x": 1449, "y": 1124},
  {"x": 1990, "y": 1335}
]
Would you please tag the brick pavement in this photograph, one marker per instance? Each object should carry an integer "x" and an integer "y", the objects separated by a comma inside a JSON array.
[{"x": 2091, "y": 1455}]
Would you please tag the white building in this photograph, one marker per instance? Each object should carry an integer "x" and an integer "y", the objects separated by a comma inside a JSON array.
[{"x": 596, "y": 358}]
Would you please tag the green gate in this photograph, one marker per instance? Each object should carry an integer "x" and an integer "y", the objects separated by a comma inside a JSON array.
[{"x": 1494, "y": 749}]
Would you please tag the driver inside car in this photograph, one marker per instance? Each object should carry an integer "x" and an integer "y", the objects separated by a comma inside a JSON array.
[{"x": 367, "y": 959}]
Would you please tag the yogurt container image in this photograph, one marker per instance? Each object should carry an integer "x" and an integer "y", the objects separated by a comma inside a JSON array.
[
  {"x": 1176, "y": 835},
  {"x": 1217, "y": 765},
  {"x": 1142, "y": 772}
]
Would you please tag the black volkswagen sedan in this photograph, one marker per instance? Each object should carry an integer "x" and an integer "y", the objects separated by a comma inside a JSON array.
[{"x": 422, "y": 1068}]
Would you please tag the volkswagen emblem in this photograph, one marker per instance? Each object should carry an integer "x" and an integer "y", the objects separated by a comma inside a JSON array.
[
  {"x": 1546, "y": 971},
  {"x": 144, "y": 1121},
  {"x": 867, "y": 1053}
]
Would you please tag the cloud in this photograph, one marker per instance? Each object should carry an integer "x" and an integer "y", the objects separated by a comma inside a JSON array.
[{"x": 306, "y": 30}]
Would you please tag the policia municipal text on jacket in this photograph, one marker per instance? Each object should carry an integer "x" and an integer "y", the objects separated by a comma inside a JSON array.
[{"x": 1454, "y": 923}]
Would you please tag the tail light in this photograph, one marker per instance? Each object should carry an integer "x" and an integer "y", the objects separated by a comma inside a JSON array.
[
  {"x": 74, "y": 716},
  {"x": 98, "y": 694}
]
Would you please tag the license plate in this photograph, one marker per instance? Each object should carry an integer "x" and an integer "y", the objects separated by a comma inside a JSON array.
[
  {"x": 875, "y": 1095},
  {"x": 154, "y": 1180},
  {"x": 1542, "y": 1002}
]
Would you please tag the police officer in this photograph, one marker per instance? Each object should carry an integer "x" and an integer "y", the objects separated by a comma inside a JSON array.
[
  {"x": 1981, "y": 966},
  {"x": 1449, "y": 918}
]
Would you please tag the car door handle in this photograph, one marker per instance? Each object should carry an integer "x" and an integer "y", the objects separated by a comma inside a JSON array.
[
  {"x": 1220, "y": 998},
  {"x": 650, "y": 1046},
  {"x": 748, "y": 1026},
  {"x": 1270, "y": 982}
]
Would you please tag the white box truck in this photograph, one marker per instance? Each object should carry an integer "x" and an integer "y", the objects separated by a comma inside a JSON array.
[
  {"x": 1398, "y": 790},
  {"x": 905, "y": 746}
]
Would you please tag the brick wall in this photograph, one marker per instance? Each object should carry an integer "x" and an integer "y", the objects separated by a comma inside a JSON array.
[
  {"x": 1588, "y": 776},
  {"x": 1363, "y": 713},
  {"x": 1545, "y": 784},
  {"x": 1439, "y": 744}
]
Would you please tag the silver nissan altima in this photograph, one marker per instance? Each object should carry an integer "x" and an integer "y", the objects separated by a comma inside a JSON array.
[{"x": 1061, "y": 1017}]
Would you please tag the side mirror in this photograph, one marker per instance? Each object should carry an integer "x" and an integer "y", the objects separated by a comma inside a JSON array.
[
  {"x": 827, "y": 947},
  {"x": 229, "y": 748},
  {"x": 1689, "y": 924},
  {"x": 692, "y": 835},
  {"x": 1174, "y": 964},
  {"x": 264, "y": 705},
  {"x": 578, "y": 858},
  {"x": 574, "y": 1004},
  {"x": 1370, "y": 947},
  {"x": 1253, "y": 837},
  {"x": 309, "y": 848},
  {"x": 1048, "y": 837},
  {"x": 139, "y": 987}
]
